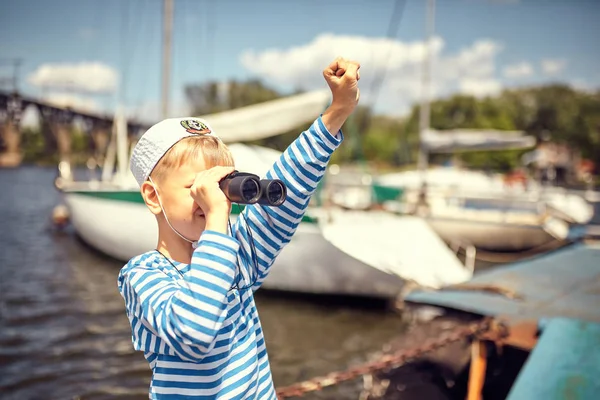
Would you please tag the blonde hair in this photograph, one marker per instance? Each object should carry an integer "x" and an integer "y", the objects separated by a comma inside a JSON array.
[{"x": 213, "y": 151}]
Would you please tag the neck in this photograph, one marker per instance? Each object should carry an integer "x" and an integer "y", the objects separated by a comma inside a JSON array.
[{"x": 172, "y": 246}]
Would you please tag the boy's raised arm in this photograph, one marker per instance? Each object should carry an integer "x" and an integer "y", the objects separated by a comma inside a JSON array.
[
  {"x": 186, "y": 314},
  {"x": 300, "y": 167}
]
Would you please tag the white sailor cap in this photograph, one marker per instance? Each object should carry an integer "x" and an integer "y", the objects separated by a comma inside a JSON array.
[{"x": 157, "y": 140}]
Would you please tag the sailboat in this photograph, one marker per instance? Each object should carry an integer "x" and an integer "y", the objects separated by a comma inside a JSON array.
[
  {"x": 472, "y": 207},
  {"x": 480, "y": 208},
  {"x": 110, "y": 215},
  {"x": 332, "y": 252}
]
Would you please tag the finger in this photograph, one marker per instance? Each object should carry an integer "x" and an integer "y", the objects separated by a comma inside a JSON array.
[
  {"x": 213, "y": 174},
  {"x": 219, "y": 172},
  {"x": 331, "y": 68},
  {"x": 340, "y": 72},
  {"x": 343, "y": 64},
  {"x": 335, "y": 65},
  {"x": 352, "y": 70}
]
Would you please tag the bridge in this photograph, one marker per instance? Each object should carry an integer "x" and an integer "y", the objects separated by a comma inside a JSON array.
[{"x": 56, "y": 123}]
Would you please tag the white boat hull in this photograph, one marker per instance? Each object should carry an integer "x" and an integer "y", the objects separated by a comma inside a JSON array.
[
  {"x": 308, "y": 264},
  {"x": 500, "y": 218},
  {"x": 119, "y": 229},
  {"x": 491, "y": 236},
  {"x": 492, "y": 229}
]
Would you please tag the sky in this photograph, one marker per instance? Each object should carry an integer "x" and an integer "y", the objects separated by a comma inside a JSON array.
[{"x": 95, "y": 54}]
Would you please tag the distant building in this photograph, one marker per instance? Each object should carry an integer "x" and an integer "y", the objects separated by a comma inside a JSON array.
[{"x": 555, "y": 162}]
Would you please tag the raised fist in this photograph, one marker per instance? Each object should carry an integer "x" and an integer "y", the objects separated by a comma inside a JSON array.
[{"x": 342, "y": 76}]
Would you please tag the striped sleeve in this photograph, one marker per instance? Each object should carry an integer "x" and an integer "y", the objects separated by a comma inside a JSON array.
[
  {"x": 300, "y": 167},
  {"x": 186, "y": 314}
]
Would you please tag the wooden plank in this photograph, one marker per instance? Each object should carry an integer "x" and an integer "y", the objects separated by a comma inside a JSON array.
[{"x": 477, "y": 372}]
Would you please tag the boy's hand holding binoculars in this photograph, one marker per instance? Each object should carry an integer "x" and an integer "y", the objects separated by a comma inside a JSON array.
[
  {"x": 216, "y": 188},
  {"x": 210, "y": 198}
]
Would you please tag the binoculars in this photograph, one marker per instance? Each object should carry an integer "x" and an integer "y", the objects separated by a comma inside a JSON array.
[{"x": 246, "y": 188}]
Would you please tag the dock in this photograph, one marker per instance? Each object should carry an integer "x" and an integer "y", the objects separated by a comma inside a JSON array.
[{"x": 548, "y": 306}]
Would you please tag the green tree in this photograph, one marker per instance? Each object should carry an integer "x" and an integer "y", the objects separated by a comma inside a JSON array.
[
  {"x": 555, "y": 112},
  {"x": 211, "y": 97},
  {"x": 33, "y": 144}
]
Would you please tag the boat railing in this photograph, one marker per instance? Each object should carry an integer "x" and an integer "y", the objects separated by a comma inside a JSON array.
[{"x": 505, "y": 203}]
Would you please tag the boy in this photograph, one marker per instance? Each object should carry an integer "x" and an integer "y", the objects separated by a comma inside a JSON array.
[{"x": 190, "y": 302}]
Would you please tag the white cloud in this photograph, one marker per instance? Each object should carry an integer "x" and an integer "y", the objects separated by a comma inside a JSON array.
[
  {"x": 92, "y": 77},
  {"x": 471, "y": 70},
  {"x": 519, "y": 70},
  {"x": 553, "y": 67}
]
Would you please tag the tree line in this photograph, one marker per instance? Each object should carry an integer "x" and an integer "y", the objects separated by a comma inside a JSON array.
[{"x": 555, "y": 112}]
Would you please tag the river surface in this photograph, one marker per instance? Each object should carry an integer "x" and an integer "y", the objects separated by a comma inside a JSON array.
[{"x": 64, "y": 333}]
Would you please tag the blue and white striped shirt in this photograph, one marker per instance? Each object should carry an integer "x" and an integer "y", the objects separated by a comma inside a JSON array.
[{"x": 203, "y": 339}]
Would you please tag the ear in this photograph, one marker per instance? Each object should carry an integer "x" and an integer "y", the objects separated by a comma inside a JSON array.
[{"x": 150, "y": 196}]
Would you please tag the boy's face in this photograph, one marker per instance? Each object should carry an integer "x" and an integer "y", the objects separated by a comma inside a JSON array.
[{"x": 174, "y": 190}]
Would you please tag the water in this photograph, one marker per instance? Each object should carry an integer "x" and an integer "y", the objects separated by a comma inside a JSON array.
[{"x": 64, "y": 333}]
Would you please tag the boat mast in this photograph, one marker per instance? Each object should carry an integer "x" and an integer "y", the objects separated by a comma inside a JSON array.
[
  {"x": 424, "y": 116},
  {"x": 166, "y": 61}
]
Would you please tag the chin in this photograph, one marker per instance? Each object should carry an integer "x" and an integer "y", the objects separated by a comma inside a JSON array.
[{"x": 197, "y": 231}]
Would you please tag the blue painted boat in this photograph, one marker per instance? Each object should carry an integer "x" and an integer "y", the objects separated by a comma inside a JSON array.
[
  {"x": 559, "y": 293},
  {"x": 563, "y": 365}
]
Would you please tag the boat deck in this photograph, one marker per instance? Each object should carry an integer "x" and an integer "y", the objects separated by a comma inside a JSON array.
[
  {"x": 402, "y": 246},
  {"x": 563, "y": 283}
]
